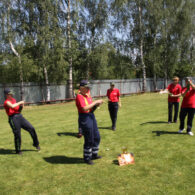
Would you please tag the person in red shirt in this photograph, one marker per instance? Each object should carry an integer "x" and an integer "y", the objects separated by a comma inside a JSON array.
[
  {"x": 17, "y": 121},
  {"x": 87, "y": 122},
  {"x": 113, "y": 95},
  {"x": 80, "y": 132},
  {"x": 188, "y": 106},
  {"x": 174, "y": 91}
]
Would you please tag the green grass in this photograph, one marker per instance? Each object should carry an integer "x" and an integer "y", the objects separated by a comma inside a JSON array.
[{"x": 164, "y": 162}]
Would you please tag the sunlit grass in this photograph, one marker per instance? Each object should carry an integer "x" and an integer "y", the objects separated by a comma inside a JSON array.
[{"x": 164, "y": 160}]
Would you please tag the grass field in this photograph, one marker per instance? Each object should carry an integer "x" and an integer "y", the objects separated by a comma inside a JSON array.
[{"x": 164, "y": 160}]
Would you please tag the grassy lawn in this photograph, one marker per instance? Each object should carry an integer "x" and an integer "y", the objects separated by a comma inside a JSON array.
[{"x": 164, "y": 160}]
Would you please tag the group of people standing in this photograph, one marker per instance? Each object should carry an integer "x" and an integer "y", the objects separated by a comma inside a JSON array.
[
  {"x": 87, "y": 122},
  {"x": 175, "y": 91}
]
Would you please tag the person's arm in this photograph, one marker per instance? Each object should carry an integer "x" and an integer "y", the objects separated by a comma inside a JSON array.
[
  {"x": 119, "y": 102},
  {"x": 192, "y": 85},
  {"x": 95, "y": 103},
  {"x": 185, "y": 92},
  {"x": 10, "y": 105},
  {"x": 178, "y": 95},
  {"x": 164, "y": 91}
]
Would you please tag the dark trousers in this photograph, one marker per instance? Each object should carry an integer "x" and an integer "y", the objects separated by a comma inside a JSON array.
[
  {"x": 113, "y": 110},
  {"x": 91, "y": 134},
  {"x": 80, "y": 129},
  {"x": 170, "y": 108},
  {"x": 183, "y": 113},
  {"x": 17, "y": 122}
]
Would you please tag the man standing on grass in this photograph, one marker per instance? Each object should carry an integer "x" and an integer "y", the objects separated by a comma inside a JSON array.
[
  {"x": 88, "y": 123},
  {"x": 113, "y": 95},
  {"x": 174, "y": 91},
  {"x": 188, "y": 106},
  {"x": 17, "y": 121}
]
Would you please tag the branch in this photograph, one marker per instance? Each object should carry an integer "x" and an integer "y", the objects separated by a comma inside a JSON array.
[{"x": 13, "y": 49}]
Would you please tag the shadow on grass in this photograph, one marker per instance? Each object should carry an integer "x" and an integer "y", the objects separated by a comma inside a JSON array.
[
  {"x": 7, "y": 151},
  {"x": 115, "y": 162},
  {"x": 63, "y": 160},
  {"x": 107, "y": 128},
  {"x": 159, "y": 133},
  {"x": 67, "y": 134},
  {"x": 154, "y": 122}
]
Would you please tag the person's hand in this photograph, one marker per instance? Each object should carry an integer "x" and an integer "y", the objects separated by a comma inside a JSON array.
[
  {"x": 190, "y": 83},
  {"x": 22, "y": 103},
  {"x": 120, "y": 105},
  {"x": 99, "y": 102}
]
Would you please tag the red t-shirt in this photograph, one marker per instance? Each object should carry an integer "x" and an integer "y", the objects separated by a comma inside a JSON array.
[
  {"x": 189, "y": 99},
  {"x": 11, "y": 111},
  {"x": 113, "y": 95},
  {"x": 82, "y": 101},
  {"x": 175, "y": 90}
]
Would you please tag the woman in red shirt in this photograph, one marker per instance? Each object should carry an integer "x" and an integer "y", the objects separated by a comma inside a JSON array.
[
  {"x": 113, "y": 95},
  {"x": 188, "y": 106},
  {"x": 174, "y": 91},
  {"x": 17, "y": 121}
]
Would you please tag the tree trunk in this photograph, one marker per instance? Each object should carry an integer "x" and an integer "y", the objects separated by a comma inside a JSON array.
[
  {"x": 21, "y": 70},
  {"x": 154, "y": 65},
  {"x": 47, "y": 83},
  {"x": 70, "y": 84},
  {"x": 141, "y": 48}
]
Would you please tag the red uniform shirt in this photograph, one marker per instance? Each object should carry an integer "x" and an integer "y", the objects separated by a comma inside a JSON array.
[
  {"x": 82, "y": 101},
  {"x": 175, "y": 90},
  {"x": 11, "y": 111},
  {"x": 113, "y": 95},
  {"x": 189, "y": 99}
]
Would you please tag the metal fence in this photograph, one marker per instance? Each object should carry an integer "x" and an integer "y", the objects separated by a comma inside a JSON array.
[{"x": 35, "y": 93}]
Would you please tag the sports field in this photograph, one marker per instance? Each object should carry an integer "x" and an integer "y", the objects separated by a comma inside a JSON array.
[{"x": 164, "y": 160}]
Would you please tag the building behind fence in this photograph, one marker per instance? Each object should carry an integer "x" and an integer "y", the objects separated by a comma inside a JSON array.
[{"x": 35, "y": 93}]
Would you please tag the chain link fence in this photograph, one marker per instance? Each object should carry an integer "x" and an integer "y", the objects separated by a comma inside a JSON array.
[{"x": 35, "y": 93}]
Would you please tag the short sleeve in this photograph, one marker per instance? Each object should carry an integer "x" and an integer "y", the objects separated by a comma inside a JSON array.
[
  {"x": 80, "y": 101},
  {"x": 107, "y": 93},
  {"x": 169, "y": 86},
  {"x": 119, "y": 93},
  {"x": 183, "y": 90}
]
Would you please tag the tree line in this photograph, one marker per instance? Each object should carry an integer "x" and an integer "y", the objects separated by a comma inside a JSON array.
[{"x": 63, "y": 41}]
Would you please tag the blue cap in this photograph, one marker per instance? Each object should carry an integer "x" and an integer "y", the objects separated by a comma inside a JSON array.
[
  {"x": 8, "y": 91},
  {"x": 84, "y": 83}
]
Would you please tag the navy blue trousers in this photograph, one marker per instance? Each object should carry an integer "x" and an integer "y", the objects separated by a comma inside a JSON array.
[
  {"x": 88, "y": 124},
  {"x": 113, "y": 110},
  {"x": 17, "y": 122}
]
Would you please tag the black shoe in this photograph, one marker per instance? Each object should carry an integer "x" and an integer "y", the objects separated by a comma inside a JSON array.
[
  {"x": 175, "y": 121},
  {"x": 89, "y": 162},
  {"x": 96, "y": 157},
  {"x": 19, "y": 152},
  {"x": 169, "y": 122},
  {"x": 114, "y": 128}
]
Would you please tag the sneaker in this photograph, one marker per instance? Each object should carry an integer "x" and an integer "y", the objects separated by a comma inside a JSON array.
[
  {"x": 169, "y": 122},
  {"x": 96, "y": 157},
  {"x": 181, "y": 130},
  {"x": 114, "y": 128},
  {"x": 89, "y": 162},
  {"x": 190, "y": 133}
]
